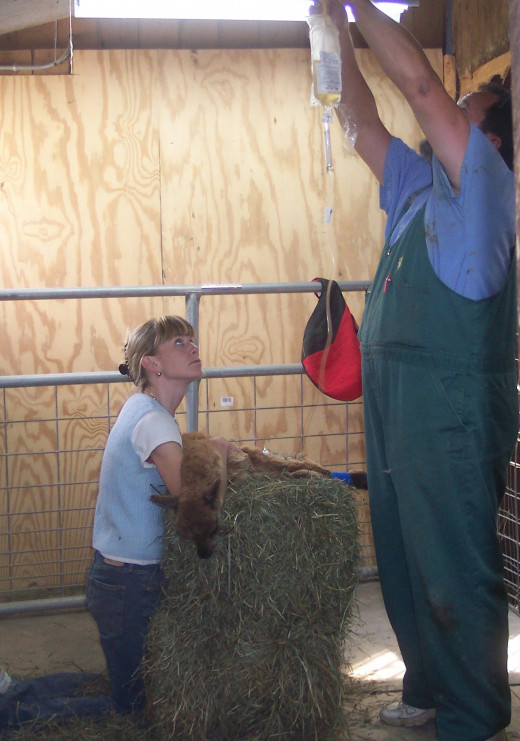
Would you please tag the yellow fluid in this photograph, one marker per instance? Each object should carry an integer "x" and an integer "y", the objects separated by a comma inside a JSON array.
[{"x": 326, "y": 99}]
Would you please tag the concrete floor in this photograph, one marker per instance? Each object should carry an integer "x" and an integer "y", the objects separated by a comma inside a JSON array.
[
  {"x": 34, "y": 645},
  {"x": 376, "y": 661}
]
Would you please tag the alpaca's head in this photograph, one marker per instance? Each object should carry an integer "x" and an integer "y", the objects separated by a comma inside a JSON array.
[{"x": 198, "y": 518}]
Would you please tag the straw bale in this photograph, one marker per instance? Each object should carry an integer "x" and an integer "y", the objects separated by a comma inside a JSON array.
[{"x": 248, "y": 644}]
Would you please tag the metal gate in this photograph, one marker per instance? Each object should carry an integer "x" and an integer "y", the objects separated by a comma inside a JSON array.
[
  {"x": 45, "y": 530},
  {"x": 45, "y": 542}
]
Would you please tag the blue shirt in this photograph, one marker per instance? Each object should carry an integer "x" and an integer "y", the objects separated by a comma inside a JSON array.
[
  {"x": 470, "y": 235},
  {"x": 127, "y": 525}
]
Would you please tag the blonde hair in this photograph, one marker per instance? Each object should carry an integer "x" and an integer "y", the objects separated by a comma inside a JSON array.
[{"x": 145, "y": 339}]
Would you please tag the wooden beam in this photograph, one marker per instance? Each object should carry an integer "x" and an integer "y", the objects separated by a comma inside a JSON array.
[
  {"x": 480, "y": 33},
  {"x": 16, "y": 15},
  {"x": 499, "y": 66}
]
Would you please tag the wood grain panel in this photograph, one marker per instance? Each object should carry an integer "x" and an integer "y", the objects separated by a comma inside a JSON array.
[
  {"x": 83, "y": 400},
  {"x": 174, "y": 167},
  {"x": 80, "y": 466},
  {"x": 33, "y": 470},
  {"x": 235, "y": 425},
  {"x": 118, "y": 394},
  {"x": 3, "y": 470},
  {"x": 78, "y": 502},
  {"x": 320, "y": 420},
  {"x": 31, "y": 437},
  {"x": 79, "y": 434},
  {"x": 179, "y": 167},
  {"x": 30, "y": 403},
  {"x": 80, "y": 207},
  {"x": 4, "y": 561},
  {"x": 284, "y": 421},
  {"x": 355, "y": 416},
  {"x": 32, "y": 531},
  {"x": 327, "y": 450},
  {"x": 34, "y": 537},
  {"x": 275, "y": 391},
  {"x": 244, "y": 175},
  {"x": 356, "y": 452},
  {"x": 3, "y": 451},
  {"x": 312, "y": 395},
  {"x": 366, "y": 538},
  {"x": 241, "y": 390}
]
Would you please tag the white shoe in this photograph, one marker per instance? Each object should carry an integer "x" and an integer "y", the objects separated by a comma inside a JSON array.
[
  {"x": 5, "y": 681},
  {"x": 401, "y": 714}
]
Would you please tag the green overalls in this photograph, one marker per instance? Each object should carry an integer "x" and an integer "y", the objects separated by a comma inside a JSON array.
[{"x": 441, "y": 421}]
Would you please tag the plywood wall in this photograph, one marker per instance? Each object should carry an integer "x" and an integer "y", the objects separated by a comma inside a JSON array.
[
  {"x": 150, "y": 167},
  {"x": 166, "y": 167}
]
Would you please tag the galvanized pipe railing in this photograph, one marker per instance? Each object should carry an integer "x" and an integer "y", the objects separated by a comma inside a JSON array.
[
  {"x": 192, "y": 296},
  {"x": 205, "y": 289}
]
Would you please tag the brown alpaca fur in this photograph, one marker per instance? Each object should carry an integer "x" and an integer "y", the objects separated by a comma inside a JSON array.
[{"x": 200, "y": 500}]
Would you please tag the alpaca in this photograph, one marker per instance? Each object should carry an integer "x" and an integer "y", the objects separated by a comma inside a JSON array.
[{"x": 198, "y": 505}]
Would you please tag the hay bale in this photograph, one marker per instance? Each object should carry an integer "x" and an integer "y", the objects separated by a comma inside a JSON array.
[{"x": 249, "y": 643}]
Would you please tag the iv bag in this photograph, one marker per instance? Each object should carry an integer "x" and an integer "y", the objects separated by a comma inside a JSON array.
[{"x": 325, "y": 61}]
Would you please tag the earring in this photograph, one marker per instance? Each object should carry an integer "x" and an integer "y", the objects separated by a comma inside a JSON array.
[{"x": 158, "y": 373}]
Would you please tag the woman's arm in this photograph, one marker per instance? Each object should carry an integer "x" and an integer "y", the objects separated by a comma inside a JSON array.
[{"x": 167, "y": 458}]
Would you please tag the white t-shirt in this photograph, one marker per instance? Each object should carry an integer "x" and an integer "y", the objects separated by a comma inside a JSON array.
[{"x": 154, "y": 429}]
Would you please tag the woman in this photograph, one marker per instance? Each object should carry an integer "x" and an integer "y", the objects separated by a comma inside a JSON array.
[{"x": 143, "y": 454}]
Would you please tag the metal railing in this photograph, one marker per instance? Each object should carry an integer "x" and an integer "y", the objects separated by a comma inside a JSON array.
[
  {"x": 63, "y": 565},
  {"x": 192, "y": 294},
  {"x": 509, "y": 518}
]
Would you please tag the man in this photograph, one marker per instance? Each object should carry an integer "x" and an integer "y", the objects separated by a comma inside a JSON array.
[{"x": 439, "y": 382}]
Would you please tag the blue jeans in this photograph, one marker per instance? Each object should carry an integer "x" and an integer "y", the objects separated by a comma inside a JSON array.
[
  {"x": 121, "y": 600},
  {"x": 44, "y": 697}
]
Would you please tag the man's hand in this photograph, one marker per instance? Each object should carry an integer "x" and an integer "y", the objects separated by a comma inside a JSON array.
[{"x": 337, "y": 13}]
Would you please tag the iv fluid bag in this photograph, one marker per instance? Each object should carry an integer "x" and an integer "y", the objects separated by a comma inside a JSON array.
[{"x": 325, "y": 61}]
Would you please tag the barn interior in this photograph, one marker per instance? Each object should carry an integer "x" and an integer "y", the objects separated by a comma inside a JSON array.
[{"x": 152, "y": 166}]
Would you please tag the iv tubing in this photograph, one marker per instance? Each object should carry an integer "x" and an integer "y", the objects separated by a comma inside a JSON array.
[{"x": 327, "y": 115}]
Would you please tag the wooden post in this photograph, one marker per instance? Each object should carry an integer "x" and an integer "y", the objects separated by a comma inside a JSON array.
[
  {"x": 450, "y": 75},
  {"x": 514, "y": 35}
]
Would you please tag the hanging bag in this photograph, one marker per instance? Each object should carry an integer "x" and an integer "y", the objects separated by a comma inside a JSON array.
[{"x": 332, "y": 358}]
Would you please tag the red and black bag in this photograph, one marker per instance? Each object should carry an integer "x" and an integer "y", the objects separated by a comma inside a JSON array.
[{"x": 332, "y": 358}]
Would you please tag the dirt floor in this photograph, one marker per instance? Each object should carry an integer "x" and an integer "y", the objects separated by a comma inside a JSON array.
[{"x": 35, "y": 645}]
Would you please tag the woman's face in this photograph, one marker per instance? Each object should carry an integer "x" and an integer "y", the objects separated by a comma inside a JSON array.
[{"x": 178, "y": 358}]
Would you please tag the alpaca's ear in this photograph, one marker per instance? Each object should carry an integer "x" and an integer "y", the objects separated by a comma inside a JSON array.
[{"x": 210, "y": 497}]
